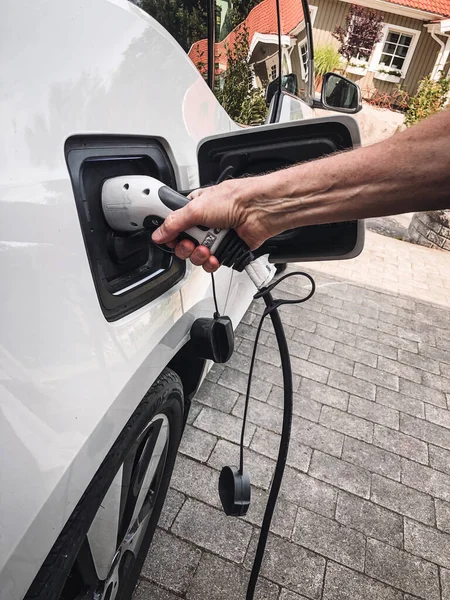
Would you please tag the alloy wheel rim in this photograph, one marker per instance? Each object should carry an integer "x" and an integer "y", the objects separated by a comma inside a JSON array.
[{"x": 118, "y": 529}]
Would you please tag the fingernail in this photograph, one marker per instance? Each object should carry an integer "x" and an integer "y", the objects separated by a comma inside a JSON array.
[{"x": 156, "y": 236}]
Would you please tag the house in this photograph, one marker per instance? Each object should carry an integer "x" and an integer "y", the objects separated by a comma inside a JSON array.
[
  {"x": 415, "y": 40},
  {"x": 261, "y": 25}
]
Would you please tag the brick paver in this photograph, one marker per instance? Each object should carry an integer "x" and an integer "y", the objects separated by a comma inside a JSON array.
[{"x": 364, "y": 512}]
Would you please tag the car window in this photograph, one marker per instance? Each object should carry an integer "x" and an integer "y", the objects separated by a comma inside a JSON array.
[
  {"x": 247, "y": 61},
  {"x": 187, "y": 22},
  {"x": 248, "y": 64},
  {"x": 246, "y": 57}
]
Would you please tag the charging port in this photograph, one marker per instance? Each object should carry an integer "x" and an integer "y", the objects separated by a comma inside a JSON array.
[{"x": 128, "y": 270}]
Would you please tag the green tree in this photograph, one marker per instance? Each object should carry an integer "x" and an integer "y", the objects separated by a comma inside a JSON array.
[
  {"x": 236, "y": 82},
  {"x": 234, "y": 89},
  {"x": 186, "y": 21}
]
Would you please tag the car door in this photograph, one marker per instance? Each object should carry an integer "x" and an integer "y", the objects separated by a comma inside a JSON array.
[{"x": 255, "y": 151}]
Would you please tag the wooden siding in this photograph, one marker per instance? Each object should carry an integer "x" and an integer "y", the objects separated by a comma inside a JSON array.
[
  {"x": 333, "y": 12},
  {"x": 329, "y": 14}
]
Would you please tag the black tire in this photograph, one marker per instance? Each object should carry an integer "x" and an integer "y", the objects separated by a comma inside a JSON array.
[{"x": 61, "y": 567}]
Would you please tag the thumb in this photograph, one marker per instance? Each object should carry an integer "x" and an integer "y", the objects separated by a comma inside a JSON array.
[{"x": 175, "y": 223}]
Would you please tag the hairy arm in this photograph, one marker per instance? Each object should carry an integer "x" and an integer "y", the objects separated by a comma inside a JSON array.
[{"x": 408, "y": 172}]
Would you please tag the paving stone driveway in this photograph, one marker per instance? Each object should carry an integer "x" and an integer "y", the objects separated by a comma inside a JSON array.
[{"x": 365, "y": 506}]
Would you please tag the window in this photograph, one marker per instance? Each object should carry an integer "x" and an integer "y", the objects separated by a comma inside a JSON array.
[
  {"x": 304, "y": 56},
  {"x": 273, "y": 72},
  {"x": 395, "y": 50}
]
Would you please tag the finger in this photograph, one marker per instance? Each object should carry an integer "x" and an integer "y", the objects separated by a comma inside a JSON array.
[
  {"x": 195, "y": 193},
  {"x": 171, "y": 244},
  {"x": 200, "y": 255},
  {"x": 184, "y": 249},
  {"x": 175, "y": 223},
  {"x": 211, "y": 265}
]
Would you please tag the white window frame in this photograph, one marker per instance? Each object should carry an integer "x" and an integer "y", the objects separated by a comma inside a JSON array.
[
  {"x": 302, "y": 66},
  {"x": 313, "y": 13},
  {"x": 272, "y": 68},
  {"x": 267, "y": 38},
  {"x": 285, "y": 54},
  {"x": 374, "y": 62}
]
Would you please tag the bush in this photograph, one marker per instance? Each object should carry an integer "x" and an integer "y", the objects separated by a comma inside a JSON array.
[
  {"x": 237, "y": 79},
  {"x": 430, "y": 99},
  {"x": 242, "y": 102},
  {"x": 326, "y": 58},
  {"x": 254, "y": 109}
]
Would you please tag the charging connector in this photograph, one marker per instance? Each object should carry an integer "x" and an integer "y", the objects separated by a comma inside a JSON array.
[{"x": 134, "y": 202}]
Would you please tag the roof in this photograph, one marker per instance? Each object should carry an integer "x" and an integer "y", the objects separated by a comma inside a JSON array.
[
  {"x": 261, "y": 19},
  {"x": 198, "y": 53},
  {"x": 438, "y": 7}
]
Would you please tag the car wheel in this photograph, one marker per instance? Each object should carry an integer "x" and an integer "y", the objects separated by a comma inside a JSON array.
[{"x": 100, "y": 551}]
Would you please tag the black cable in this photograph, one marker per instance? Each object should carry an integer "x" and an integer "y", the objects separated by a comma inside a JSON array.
[
  {"x": 272, "y": 310},
  {"x": 247, "y": 397},
  {"x": 217, "y": 313}
]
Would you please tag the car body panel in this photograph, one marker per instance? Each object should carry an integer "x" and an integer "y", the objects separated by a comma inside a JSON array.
[{"x": 69, "y": 379}]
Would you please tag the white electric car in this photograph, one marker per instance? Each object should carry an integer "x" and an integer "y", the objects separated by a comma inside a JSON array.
[{"x": 96, "y": 371}]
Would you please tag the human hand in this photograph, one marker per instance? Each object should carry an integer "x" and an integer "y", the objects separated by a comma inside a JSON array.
[{"x": 232, "y": 204}]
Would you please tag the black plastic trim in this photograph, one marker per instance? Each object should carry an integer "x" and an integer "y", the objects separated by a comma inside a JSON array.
[
  {"x": 90, "y": 160},
  {"x": 270, "y": 148},
  {"x": 172, "y": 199}
]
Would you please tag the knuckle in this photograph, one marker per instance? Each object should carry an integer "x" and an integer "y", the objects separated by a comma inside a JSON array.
[
  {"x": 192, "y": 210},
  {"x": 169, "y": 221}
]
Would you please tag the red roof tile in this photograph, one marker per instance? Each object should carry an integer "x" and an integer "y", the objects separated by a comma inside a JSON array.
[
  {"x": 198, "y": 53},
  {"x": 261, "y": 19},
  {"x": 438, "y": 7}
]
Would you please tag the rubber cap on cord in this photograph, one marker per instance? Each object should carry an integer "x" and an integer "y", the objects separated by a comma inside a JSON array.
[{"x": 234, "y": 491}]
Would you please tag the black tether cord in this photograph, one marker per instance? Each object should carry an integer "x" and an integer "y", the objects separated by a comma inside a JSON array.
[
  {"x": 272, "y": 310},
  {"x": 216, "y": 306}
]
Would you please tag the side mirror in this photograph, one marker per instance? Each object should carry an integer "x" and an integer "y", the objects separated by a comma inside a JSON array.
[
  {"x": 270, "y": 91},
  {"x": 289, "y": 83},
  {"x": 340, "y": 94}
]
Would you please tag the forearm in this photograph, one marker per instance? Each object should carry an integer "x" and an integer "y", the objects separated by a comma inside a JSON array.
[{"x": 408, "y": 172}]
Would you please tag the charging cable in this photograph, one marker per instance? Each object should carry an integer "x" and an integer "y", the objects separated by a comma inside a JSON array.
[
  {"x": 271, "y": 310},
  {"x": 234, "y": 484}
]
